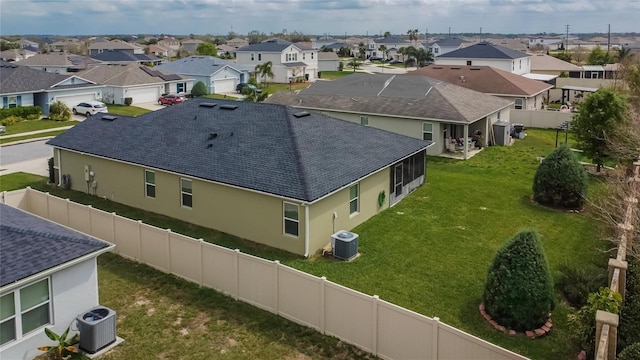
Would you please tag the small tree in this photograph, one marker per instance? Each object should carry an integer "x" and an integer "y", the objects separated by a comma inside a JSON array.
[
  {"x": 560, "y": 180},
  {"x": 519, "y": 290},
  {"x": 355, "y": 63},
  {"x": 199, "y": 89},
  {"x": 59, "y": 111},
  {"x": 207, "y": 48}
]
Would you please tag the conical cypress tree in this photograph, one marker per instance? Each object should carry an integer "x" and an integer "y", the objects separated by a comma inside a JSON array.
[
  {"x": 560, "y": 180},
  {"x": 519, "y": 290}
]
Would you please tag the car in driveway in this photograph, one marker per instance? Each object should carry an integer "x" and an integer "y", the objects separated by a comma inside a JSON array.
[
  {"x": 395, "y": 62},
  {"x": 375, "y": 58},
  {"x": 171, "y": 99},
  {"x": 89, "y": 108},
  {"x": 240, "y": 87}
]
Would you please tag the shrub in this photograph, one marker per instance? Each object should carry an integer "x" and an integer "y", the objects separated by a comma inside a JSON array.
[
  {"x": 629, "y": 330},
  {"x": 576, "y": 283},
  {"x": 59, "y": 111},
  {"x": 199, "y": 89},
  {"x": 11, "y": 120},
  {"x": 340, "y": 66},
  {"x": 560, "y": 180},
  {"x": 631, "y": 352},
  {"x": 128, "y": 101},
  {"x": 519, "y": 290},
  {"x": 24, "y": 112}
]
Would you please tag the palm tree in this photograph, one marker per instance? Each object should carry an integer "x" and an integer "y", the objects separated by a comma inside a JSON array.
[
  {"x": 423, "y": 57},
  {"x": 413, "y": 35},
  {"x": 362, "y": 50},
  {"x": 355, "y": 63},
  {"x": 402, "y": 51},
  {"x": 387, "y": 34},
  {"x": 624, "y": 54},
  {"x": 265, "y": 70},
  {"x": 253, "y": 96},
  {"x": 383, "y": 49}
]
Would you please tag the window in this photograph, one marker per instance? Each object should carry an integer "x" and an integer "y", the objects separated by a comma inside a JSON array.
[
  {"x": 291, "y": 219},
  {"x": 304, "y": 56},
  {"x": 259, "y": 57},
  {"x": 427, "y": 131},
  {"x": 436, "y": 50},
  {"x": 311, "y": 55},
  {"x": 186, "y": 194},
  {"x": 24, "y": 311},
  {"x": 364, "y": 120},
  {"x": 354, "y": 196},
  {"x": 252, "y": 56},
  {"x": 468, "y": 62},
  {"x": 149, "y": 184},
  {"x": 518, "y": 103}
]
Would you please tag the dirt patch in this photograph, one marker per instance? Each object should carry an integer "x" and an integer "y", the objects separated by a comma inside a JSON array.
[{"x": 200, "y": 322}]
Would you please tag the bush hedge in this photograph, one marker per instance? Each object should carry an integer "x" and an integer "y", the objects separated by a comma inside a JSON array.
[
  {"x": 576, "y": 283},
  {"x": 631, "y": 352},
  {"x": 59, "y": 111},
  {"x": 560, "y": 180},
  {"x": 10, "y": 120},
  {"x": 629, "y": 330},
  {"x": 199, "y": 89},
  {"x": 24, "y": 112},
  {"x": 519, "y": 290}
]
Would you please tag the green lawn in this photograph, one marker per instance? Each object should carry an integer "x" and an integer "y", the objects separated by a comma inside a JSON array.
[
  {"x": 332, "y": 75},
  {"x": 430, "y": 252},
  {"x": 33, "y": 125},
  {"x": 272, "y": 88},
  {"x": 221, "y": 96},
  {"x": 126, "y": 110},
  {"x": 34, "y": 136}
]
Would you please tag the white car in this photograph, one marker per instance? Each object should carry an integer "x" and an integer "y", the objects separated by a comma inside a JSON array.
[{"x": 89, "y": 108}]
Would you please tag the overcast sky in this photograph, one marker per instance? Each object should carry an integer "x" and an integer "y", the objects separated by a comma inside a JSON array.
[{"x": 354, "y": 17}]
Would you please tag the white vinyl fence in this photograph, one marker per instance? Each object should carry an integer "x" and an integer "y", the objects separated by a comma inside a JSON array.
[
  {"x": 542, "y": 119},
  {"x": 377, "y": 326}
]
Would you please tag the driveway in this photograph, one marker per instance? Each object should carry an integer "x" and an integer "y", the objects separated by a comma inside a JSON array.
[{"x": 153, "y": 106}]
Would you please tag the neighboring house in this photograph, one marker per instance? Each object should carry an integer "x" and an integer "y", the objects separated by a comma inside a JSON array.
[
  {"x": 393, "y": 44},
  {"x": 58, "y": 62},
  {"x": 321, "y": 41},
  {"x": 290, "y": 62},
  {"x": 226, "y": 50},
  {"x": 71, "y": 45},
  {"x": 328, "y": 61},
  {"x": 548, "y": 65},
  {"x": 49, "y": 277},
  {"x": 263, "y": 172},
  {"x": 237, "y": 43},
  {"x": 444, "y": 46},
  {"x": 191, "y": 45},
  {"x": 157, "y": 50},
  {"x": 170, "y": 43},
  {"x": 513, "y": 44},
  {"x": 335, "y": 47},
  {"x": 24, "y": 86},
  {"x": 138, "y": 82},
  {"x": 16, "y": 54},
  {"x": 415, "y": 106},
  {"x": 125, "y": 57},
  {"x": 545, "y": 42},
  {"x": 488, "y": 54},
  {"x": 24, "y": 43},
  {"x": 99, "y": 47},
  {"x": 220, "y": 76},
  {"x": 525, "y": 93}
]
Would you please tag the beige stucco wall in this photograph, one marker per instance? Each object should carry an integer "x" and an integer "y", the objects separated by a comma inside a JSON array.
[{"x": 321, "y": 222}]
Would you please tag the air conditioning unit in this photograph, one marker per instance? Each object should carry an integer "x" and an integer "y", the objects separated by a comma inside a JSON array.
[
  {"x": 344, "y": 244},
  {"x": 97, "y": 329}
]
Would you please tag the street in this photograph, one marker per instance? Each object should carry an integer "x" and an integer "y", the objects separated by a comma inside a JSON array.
[{"x": 30, "y": 157}]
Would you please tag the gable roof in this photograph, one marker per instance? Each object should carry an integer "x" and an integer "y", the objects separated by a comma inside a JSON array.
[
  {"x": 48, "y": 59},
  {"x": 327, "y": 55},
  {"x": 484, "y": 79},
  {"x": 123, "y": 56},
  {"x": 544, "y": 62},
  {"x": 271, "y": 45},
  {"x": 112, "y": 45},
  {"x": 199, "y": 65},
  {"x": 449, "y": 42},
  {"x": 30, "y": 245},
  {"x": 484, "y": 50},
  {"x": 392, "y": 40},
  {"x": 395, "y": 95},
  {"x": 18, "y": 79},
  {"x": 256, "y": 146},
  {"x": 126, "y": 75}
]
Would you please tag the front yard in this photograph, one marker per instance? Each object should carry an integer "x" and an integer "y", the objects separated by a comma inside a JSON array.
[{"x": 430, "y": 253}]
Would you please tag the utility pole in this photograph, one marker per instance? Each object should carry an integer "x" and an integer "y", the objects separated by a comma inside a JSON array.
[
  {"x": 566, "y": 40},
  {"x": 609, "y": 39},
  {"x": 426, "y": 34},
  {"x": 480, "y": 33},
  {"x": 449, "y": 31}
]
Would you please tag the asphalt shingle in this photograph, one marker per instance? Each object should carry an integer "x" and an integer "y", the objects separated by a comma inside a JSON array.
[{"x": 484, "y": 50}]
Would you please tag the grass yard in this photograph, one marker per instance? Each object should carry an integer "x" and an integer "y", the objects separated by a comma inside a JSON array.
[
  {"x": 430, "y": 253},
  {"x": 125, "y": 110},
  {"x": 221, "y": 96},
  {"x": 332, "y": 75},
  {"x": 272, "y": 88},
  {"x": 34, "y": 125},
  {"x": 34, "y": 136}
]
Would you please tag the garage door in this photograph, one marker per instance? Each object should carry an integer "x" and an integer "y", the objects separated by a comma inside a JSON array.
[
  {"x": 73, "y": 100},
  {"x": 142, "y": 95},
  {"x": 224, "y": 86}
]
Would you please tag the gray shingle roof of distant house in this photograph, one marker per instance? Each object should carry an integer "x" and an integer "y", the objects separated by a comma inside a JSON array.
[
  {"x": 257, "y": 146},
  {"x": 48, "y": 59},
  {"x": 395, "y": 95},
  {"x": 199, "y": 65},
  {"x": 337, "y": 45},
  {"x": 15, "y": 79},
  {"x": 392, "y": 40},
  {"x": 29, "y": 245},
  {"x": 120, "y": 55},
  {"x": 273, "y": 45},
  {"x": 125, "y": 75},
  {"x": 484, "y": 50},
  {"x": 452, "y": 41}
]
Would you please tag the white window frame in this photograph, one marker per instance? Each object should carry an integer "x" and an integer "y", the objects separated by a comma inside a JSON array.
[
  {"x": 18, "y": 312},
  {"x": 519, "y": 106},
  {"x": 311, "y": 55},
  {"x": 183, "y": 193},
  {"x": 364, "y": 120},
  {"x": 259, "y": 56},
  {"x": 430, "y": 132},
  {"x": 355, "y": 199},
  {"x": 147, "y": 184},
  {"x": 253, "y": 56},
  {"x": 285, "y": 219}
]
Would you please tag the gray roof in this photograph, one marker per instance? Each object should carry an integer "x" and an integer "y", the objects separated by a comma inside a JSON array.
[
  {"x": 272, "y": 45},
  {"x": 199, "y": 65},
  {"x": 257, "y": 146},
  {"x": 16, "y": 79},
  {"x": 484, "y": 50},
  {"x": 124, "y": 56},
  {"x": 30, "y": 245},
  {"x": 452, "y": 41},
  {"x": 395, "y": 95},
  {"x": 392, "y": 40}
]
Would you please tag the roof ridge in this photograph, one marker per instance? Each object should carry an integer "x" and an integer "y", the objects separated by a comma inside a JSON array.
[
  {"x": 296, "y": 148},
  {"x": 48, "y": 235},
  {"x": 437, "y": 87}
]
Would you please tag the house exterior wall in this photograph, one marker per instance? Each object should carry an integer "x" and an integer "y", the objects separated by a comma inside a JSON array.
[
  {"x": 278, "y": 59},
  {"x": 226, "y": 73},
  {"x": 67, "y": 96},
  {"x": 23, "y": 100},
  {"x": 74, "y": 290},
  {"x": 328, "y": 65},
  {"x": 515, "y": 66},
  {"x": 51, "y": 68}
]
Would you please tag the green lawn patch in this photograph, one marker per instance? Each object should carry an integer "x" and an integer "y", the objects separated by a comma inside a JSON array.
[
  {"x": 125, "y": 110},
  {"x": 272, "y": 88},
  {"x": 332, "y": 75},
  {"x": 34, "y": 125},
  {"x": 221, "y": 96},
  {"x": 34, "y": 136},
  {"x": 19, "y": 180}
]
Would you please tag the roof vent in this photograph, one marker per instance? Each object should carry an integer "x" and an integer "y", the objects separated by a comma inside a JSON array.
[
  {"x": 301, "y": 114},
  {"x": 228, "y": 107},
  {"x": 213, "y": 136},
  {"x": 455, "y": 68},
  {"x": 474, "y": 69},
  {"x": 109, "y": 117},
  {"x": 208, "y": 104},
  {"x": 209, "y": 146}
]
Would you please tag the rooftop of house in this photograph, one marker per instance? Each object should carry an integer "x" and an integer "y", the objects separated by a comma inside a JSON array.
[
  {"x": 123, "y": 56},
  {"x": 327, "y": 55},
  {"x": 484, "y": 50},
  {"x": 392, "y": 40},
  {"x": 125, "y": 75},
  {"x": 200, "y": 65},
  {"x": 112, "y": 45},
  {"x": 30, "y": 245},
  {"x": 544, "y": 62},
  {"x": 450, "y": 42},
  {"x": 395, "y": 95},
  {"x": 269, "y": 148},
  {"x": 271, "y": 45},
  {"x": 484, "y": 79},
  {"x": 15, "y": 78},
  {"x": 48, "y": 59}
]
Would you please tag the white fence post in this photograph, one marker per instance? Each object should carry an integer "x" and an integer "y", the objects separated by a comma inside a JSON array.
[
  {"x": 67, "y": 208},
  {"x": 113, "y": 230},
  {"x": 374, "y": 328},
  {"x": 47, "y": 195},
  {"x": 323, "y": 284},
  {"x": 201, "y": 262},
  {"x": 139, "y": 241},
  {"x": 276, "y": 266},
  {"x": 236, "y": 261},
  {"x": 90, "y": 209},
  {"x": 434, "y": 338},
  {"x": 170, "y": 268}
]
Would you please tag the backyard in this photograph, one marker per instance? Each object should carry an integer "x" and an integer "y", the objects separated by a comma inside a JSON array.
[{"x": 430, "y": 253}]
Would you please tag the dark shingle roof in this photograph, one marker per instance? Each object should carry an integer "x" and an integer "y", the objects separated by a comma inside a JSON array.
[
  {"x": 452, "y": 41},
  {"x": 198, "y": 65},
  {"x": 121, "y": 55},
  {"x": 257, "y": 146},
  {"x": 272, "y": 45},
  {"x": 29, "y": 245},
  {"x": 395, "y": 95},
  {"x": 484, "y": 50},
  {"x": 15, "y": 79}
]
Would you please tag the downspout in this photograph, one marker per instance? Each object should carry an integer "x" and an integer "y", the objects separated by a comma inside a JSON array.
[{"x": 306, "y": 230}]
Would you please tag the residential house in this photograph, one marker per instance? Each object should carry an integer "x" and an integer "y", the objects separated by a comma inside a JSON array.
[
  {"x": 414, "y": 106},
  {"x": 444, "y": 46},
  {"x": 24, "y": 86},
  {"x": 170, "y": 43},
  {"x": 125, "y": 57},
  {"x": 328, "y": 61},
  {"x": 525, "y": 93},
  {"x": 16, "y": 54},
  {"x": 99, "y": 47},
  {"x": 49, "y": 276},
  {"x": 191, "y": 45},
  {"x": 238, "y": 43},
  {"x": 226, "y": 50},
  {"x": 548, "y": 65},
  {"x": 321, "y": 41},
  {"x": 67, "y": 45},
  {"x": 513, "y": 44},
  {"x": 290, "y": 62},
  {"x": 488, "y": 54},
  {"x": 58, "y": 62},
  {"x": 158, "y": 51},
  {"x": 24, "y": 43},
  {"x": 138, "y": 82},
  {"x": 544, "y": 42},
  {"x": 263, "y": 172},
  {"x": 220, "y": 76},
  {"x": 392, "y": 43}
]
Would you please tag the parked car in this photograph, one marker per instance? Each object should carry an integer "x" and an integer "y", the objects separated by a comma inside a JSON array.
[
  {"x": 171, "y": 99},
  {"x": 89, "y": 108},
  {"x": 375, "y": 58},
  {"x": 241, "y": 87},
  {"x": 395, "y": 62}
]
